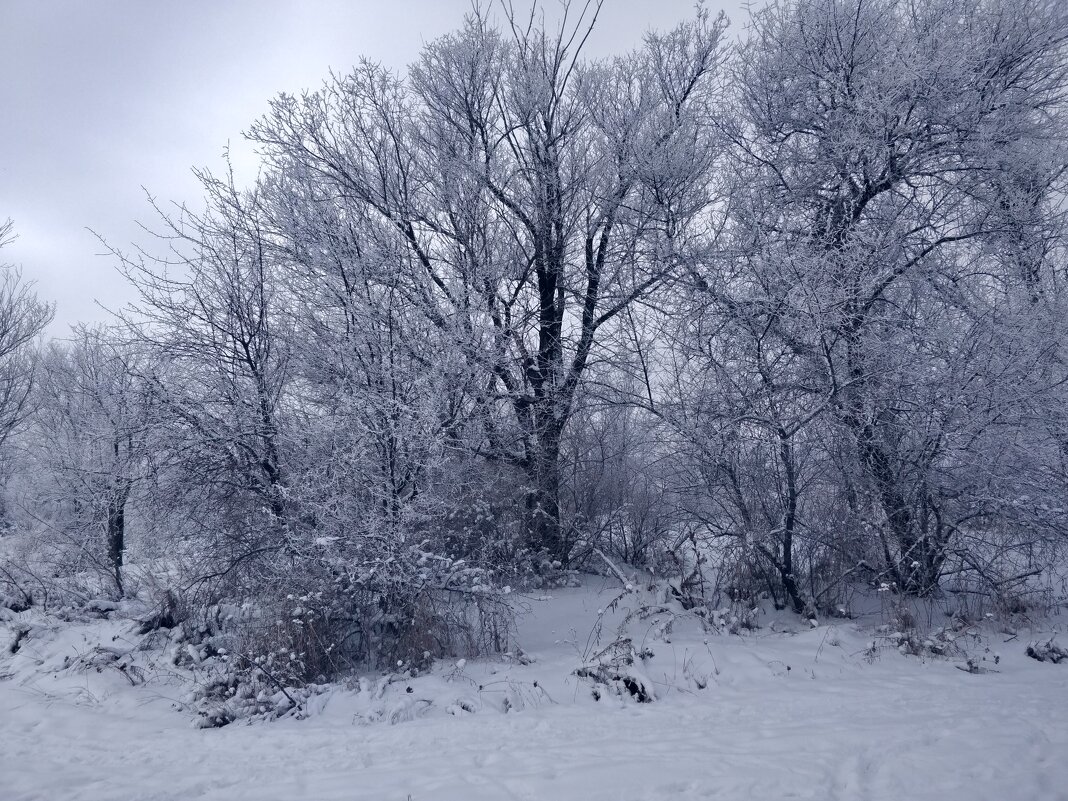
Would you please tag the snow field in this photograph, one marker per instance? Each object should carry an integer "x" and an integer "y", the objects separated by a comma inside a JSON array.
[{"x": 806, "y": 715}]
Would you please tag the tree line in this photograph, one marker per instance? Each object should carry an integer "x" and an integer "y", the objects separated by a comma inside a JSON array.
[{"x": 776, "y": 314}]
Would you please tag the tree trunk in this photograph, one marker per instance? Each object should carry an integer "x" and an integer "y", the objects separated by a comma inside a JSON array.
[
  {"x": 786, "y": 567},
  {"x": 116, "y": 533},
  {"x": 544, "y": 531}
]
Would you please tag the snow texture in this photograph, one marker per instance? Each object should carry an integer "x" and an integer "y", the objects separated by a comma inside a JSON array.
[{"x": 800, "y": 712}]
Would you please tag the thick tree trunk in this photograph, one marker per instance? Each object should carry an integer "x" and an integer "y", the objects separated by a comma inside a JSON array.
[
  {"x": 544, "y": 530},
  {"x": 917, "y": 564}
]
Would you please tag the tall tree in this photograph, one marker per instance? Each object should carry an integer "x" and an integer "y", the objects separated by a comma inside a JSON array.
[
  {"x": 881, "y": 142},
  {"x": 91, "y": 431},
  {"x": 527, "y": 199}
]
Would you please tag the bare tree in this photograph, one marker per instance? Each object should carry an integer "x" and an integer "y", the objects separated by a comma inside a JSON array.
[
  {"x": 885, "y": 146},
  {"x": 91, "y": 429},
  {"x": 23, "y": 318},
  {"x": 211, "y": 317},
  {"x": 527, "y": 199}
]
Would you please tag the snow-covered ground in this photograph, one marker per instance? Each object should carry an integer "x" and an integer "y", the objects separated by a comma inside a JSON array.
[{"x": 795, "y": 712}]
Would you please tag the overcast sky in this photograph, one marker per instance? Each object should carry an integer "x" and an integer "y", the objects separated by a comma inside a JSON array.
[{"x": 102, "y": 98}]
